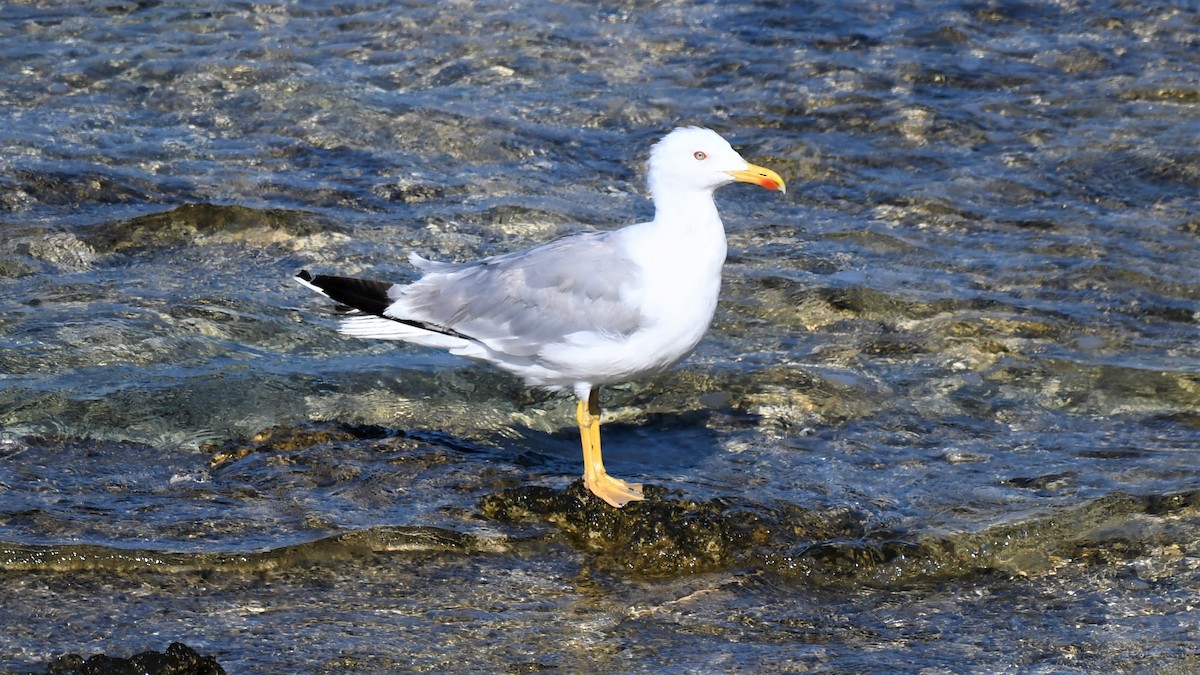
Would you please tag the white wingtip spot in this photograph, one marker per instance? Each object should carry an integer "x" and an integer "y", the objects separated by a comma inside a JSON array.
[{"x": 308, "y": 284}]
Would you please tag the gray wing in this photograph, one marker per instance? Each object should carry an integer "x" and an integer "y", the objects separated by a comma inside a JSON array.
[{"x": 520, "y": 302}]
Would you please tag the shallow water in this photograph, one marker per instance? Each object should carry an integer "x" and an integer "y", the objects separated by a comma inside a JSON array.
[{"x": 947, "y": 417}]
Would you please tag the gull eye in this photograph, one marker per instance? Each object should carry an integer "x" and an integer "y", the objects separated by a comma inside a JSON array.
[{"x": 699, "y": 154}]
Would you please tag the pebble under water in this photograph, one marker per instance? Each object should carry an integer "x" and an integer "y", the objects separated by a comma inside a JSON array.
[{"x": 947, "y": 418}]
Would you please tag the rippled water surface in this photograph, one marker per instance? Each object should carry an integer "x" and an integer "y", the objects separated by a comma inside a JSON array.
[{"x": 947, "y": 417}]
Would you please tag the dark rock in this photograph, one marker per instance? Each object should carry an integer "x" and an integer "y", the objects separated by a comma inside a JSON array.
[
  {"x": 289, "y": 439},
  {"x": 72, "y": 189},
  {"x": 661, "y": 537},
  {"x": 178, "y": 660}
]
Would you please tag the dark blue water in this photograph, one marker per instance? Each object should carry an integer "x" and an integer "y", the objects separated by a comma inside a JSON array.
[{"x": 956, "y": 369}]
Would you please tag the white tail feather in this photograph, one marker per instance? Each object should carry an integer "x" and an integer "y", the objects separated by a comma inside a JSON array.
[{"x": 379, "y": 328}]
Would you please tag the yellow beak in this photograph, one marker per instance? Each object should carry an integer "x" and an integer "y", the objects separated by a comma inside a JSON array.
[{"x": 760, "y": 176}]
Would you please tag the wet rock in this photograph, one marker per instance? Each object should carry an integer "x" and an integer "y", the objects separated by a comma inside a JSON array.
[
  {"x": 186, "y": 223},
  {"x": 62, "y": 249},
  {"x": 13, "y": 268},
  {"x": 409, "y": 193},
  {"x": 796, "y": 396},
  {"x": 289, "y": 439},
  {"x": 70, "y": 189},
  {"x": 942, "y": 36},
  {"x": 1183, "y": 95},
  {"x": 1051, "y": 481},
  {"x": 867, "y": 302},
  {"x": 179, "y": 659},
  {"x": 525, "y": 222},
  {"x": 662, "y": 537},
  {"x": 985, "y": 326},
  {"x": 337, "y": 550}
]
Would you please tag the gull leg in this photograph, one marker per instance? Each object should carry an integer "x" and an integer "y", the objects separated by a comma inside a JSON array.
[{"x": 615, "y": 491}]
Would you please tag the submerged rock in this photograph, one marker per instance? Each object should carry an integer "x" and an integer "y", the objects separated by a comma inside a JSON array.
[
  {"x": 178, "y": 660},
  {"x": 70, "y": 188},
  {"x": 187, "y": 222},
  {"x": 290, "y": 438}
]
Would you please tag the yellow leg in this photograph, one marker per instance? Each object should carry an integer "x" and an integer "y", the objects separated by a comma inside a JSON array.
[{"x": 616, "y": 492}]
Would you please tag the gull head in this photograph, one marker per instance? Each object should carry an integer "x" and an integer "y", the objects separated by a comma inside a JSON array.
[{"x": 692, "y": 159}]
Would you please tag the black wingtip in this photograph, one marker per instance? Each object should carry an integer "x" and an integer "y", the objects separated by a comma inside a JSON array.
[{"x": 363, "y": 295}]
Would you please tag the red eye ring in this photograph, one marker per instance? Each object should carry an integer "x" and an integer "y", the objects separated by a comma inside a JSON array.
[{"x": 700, "y": 155}]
